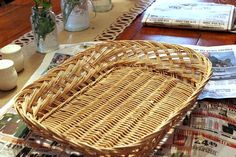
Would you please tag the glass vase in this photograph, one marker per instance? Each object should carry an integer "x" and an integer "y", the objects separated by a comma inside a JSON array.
[
  {"x": 75, "y": 14},
  {"x": 44, "y": 27},
  {"x": 102, "y": 5}
]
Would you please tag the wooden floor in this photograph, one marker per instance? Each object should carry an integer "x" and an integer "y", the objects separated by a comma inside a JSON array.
[{"x": 15, "y": 19}]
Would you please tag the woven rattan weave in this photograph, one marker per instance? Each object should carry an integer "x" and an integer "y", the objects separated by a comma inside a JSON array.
[{"x": 117, "y": 98}]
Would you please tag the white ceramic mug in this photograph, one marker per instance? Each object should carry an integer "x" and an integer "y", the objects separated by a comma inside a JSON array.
[
  {"x": 13, "y": 52},
  {"x": 8, "y": 75}
]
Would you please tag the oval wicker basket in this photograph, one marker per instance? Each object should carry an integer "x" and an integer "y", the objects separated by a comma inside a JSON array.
[{"x": 117, "y": 98}]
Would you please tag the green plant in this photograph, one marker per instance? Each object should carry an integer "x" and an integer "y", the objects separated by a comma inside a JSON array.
[
  {"x": 41, "y": 19},
  {"x": 46, "y": 4}
]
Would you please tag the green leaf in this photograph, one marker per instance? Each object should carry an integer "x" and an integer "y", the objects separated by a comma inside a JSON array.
[
  {"x": 46, "y": 5},
  {"x": 37, "y": 1}
]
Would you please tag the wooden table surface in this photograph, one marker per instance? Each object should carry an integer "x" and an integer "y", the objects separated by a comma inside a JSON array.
[{"x": 15, "y": 19}]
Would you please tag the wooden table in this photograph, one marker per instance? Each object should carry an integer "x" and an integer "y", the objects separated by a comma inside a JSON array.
[{"x": 14, "y": 22}]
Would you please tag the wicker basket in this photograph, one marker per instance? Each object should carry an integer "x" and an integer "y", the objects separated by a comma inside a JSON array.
[{"x": 115, "y": 99}]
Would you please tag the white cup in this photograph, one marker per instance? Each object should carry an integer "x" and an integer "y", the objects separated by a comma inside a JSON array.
[
  {"x": 8, "y": 75},
  {"x": 13, "y": 52}
]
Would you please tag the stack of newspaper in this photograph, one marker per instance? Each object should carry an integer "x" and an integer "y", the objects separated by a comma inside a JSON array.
[{"x": 190, "y": 15}]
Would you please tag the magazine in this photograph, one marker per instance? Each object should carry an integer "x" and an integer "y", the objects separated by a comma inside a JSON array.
[{"x": 190, "y": 15}]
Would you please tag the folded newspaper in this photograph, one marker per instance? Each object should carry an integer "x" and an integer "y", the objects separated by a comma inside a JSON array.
[{"x": 190, "y": 15}]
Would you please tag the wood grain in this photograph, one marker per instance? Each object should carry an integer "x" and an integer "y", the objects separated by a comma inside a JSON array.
[{"x": 15, "y": 19}]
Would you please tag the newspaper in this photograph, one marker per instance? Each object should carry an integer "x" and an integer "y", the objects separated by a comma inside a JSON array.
[
  {"x": 209, "y": 131},
  {"x": 190, "y": 15},
  {"x": 223, "y": 81}
]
